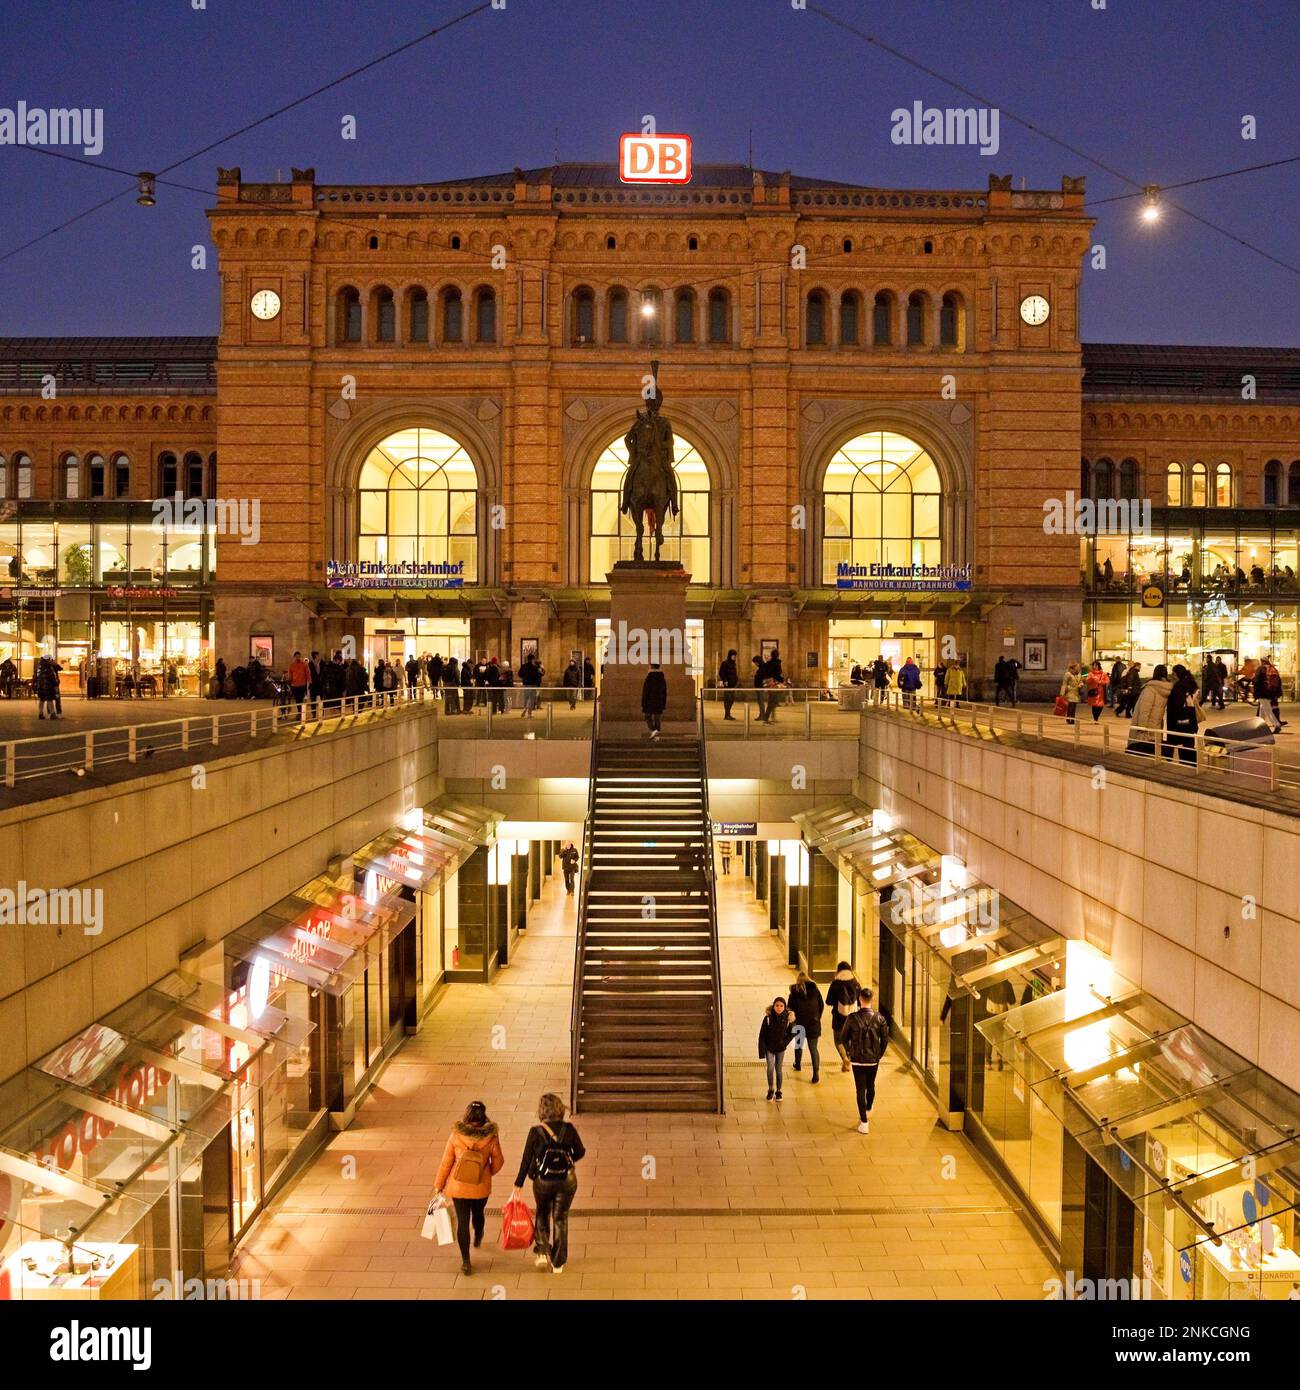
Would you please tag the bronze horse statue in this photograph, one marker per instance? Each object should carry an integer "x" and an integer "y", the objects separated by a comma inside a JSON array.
[{"x": 650, "y": 485}]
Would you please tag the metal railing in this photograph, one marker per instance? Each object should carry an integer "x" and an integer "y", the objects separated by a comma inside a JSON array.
[
  {"x": 787, "y": 711},
  {"x": 580, "y": 946},
  {"x": 520, "y": 711},
  {"x": 1216, "y": 760},
  {"x": 715, "y": 945},
  {"x": 84, "y": 750}
]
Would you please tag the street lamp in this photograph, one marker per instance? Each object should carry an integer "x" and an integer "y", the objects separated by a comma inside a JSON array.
[{"x": 1151, "y": 203}]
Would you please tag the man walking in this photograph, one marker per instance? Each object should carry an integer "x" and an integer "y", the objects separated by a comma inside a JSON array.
[
  {"x": 299, "y": 680},
  {"x": 654, "y": 699},
  {"x": 866, "y": 1036},
  {"x": 569, "y": 863},
  {"x": 530, "y": 677}
]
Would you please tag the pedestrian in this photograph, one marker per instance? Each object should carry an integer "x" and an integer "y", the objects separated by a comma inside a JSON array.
[
  {"x": 219, "y": 673},
  {"x": 569, "y": 863},
  {"x": 940, "y": 676},
  {"x": 314, "y": 665},
  {"x": 775, "y": 1034},
  {"x": 1001, "y": 681},
  {"x": 654, "y": 699},
  {"x": 773, "y": 681},
  {"x": 1211, "y": 686},
  {"x": 481, "y": 682},
  {"x": 724, "y": 849},
  {"x": 550, "y": 1158},
  {"x": 909, "y": 682},
  {"x": 1149, "y": 713},
  {"x": 1221, "y": 671},
  {"x": 866, "y": 1036},
  {"x": 451, "y": 686},
  {"x": 572, "y": 681},
  {"x": 880, "y": 679},
  {"x": 1129, "y": 686},
  {"x": 1095, "y": 687},
  {"x": 412, "y": 675},
  {"x": 728, "y": 679},
  {"x": 357, "y": 683},
  {"x": 9, "y": 675},
  {"x": 468, "y": 682},
  {"x": 433, "y": 669},
  {"x": 1116, "y": 675},
  {"x": 760, "y": 675},
  {"x": 1272, "y": 692},
  {"x": 299, "y": 681},
  {"x": 47, "y": 687},
  {"x": 530, "y": 677},
  {"x": 807, "y": 1006},
  {"x": 954, "y": 682},
  {"x": 588, "y": 679},
  {"x": 1071, "y": 689},
  {"x": 1182, "y": 716},
  {"x": 469, "y": 1162},
  {"x": 1013, "y": 684},
  {"x": 842, "y": 1000}
]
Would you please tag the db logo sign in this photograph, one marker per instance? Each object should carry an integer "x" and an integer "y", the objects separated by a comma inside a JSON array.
[{"x": 654, "y": 159}]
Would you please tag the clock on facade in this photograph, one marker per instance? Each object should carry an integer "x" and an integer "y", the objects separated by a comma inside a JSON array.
[
  {"x": 266, "y": 304},
  {"x": 1034, "y": 309}
]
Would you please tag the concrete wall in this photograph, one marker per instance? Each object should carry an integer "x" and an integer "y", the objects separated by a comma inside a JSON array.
[
  {"x": 1152, "y": 874},
  {"x": 179, "y": 865}
]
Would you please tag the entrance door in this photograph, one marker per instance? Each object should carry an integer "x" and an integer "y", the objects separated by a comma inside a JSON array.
[{"x": 859, "y": 641}]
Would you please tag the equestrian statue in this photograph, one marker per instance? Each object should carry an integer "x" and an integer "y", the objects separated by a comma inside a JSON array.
[{"x": 650, "y": 485}]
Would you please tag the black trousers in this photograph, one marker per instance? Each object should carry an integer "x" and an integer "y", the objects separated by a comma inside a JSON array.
[
  {"x": 551, "y": 1227},
  {"x": 864, "y": 1082},
  {"x": 728, "y": 699},
  {"x": 469, "y": 1210},
  {"x": 653, "y": 720}
]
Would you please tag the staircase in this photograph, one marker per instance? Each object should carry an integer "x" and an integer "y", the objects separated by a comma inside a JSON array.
[{"x": 647, "y": 1019}]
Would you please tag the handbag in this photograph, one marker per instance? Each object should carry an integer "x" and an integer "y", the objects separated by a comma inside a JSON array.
[
  {"x": 437, "y": 1222},
  {"x": 1062, "y": 705},
  {"x": 516, "y": 1225}
]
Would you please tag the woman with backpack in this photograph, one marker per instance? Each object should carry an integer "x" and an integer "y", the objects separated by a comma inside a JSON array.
[
  {"x": 842, "y": 1000},
  {"x": 550, "y": 1158},
  {"x": 473, "y": 1154},
  {"x": 775, "y": 1034}
]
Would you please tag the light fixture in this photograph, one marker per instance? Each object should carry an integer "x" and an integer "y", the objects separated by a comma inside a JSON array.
[
  {"x": 1151, "y": 203},
  {"x": 145, "y": 183},
  {"x": 647, "y": 305}
]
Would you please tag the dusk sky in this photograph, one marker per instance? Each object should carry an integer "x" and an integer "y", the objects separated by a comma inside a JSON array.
[{"x": 1155, "y": 89}]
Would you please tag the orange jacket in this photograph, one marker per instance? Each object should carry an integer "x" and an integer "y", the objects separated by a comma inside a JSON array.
[
  {"x": 1096, "y": 686},
  {"x": 463, "y": 1137},
  {"x": 299, "y": 672}
]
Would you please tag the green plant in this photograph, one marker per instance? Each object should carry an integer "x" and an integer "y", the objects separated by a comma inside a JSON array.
[{"x": 76, "y": 565}]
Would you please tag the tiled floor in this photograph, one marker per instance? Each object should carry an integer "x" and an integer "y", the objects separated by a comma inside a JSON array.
[{"x": 769, "y": 1201}]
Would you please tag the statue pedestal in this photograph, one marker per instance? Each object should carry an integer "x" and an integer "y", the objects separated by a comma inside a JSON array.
[{"x": 647, "y": 622}]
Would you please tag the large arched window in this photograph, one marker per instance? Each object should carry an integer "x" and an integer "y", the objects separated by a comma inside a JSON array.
[
  {"x": 193, "y": 475},
  {"x": 485, "y": 314},
  {"x": 1103, "y": 480},
  {"x": 686, "y": 536},
  {"x": 882, "y": 319},
  {"x": 1127, "y": 480},
  {"x": 684, "y": 316},
  {"x": 618, "y": 312},
  {"x": 383, "y": 308},
  {"x": 850, "y": 318},
  {"x": 347, "y": 324},
  {"x": 71, "y": 476},
  {"x": 650, "y": 313},
  {"x": 418, "y": 502},
  {"x": 96, "y": 477},
  {"x": 881, "y": 495},
  {"x": 452, "y": 316},
  {"x": 952, "y": 322},
  {"x": 582, "y": 329},
  {"x": 918, "y": 308},
  {"x": 815, "y": 320},
  {"x": 719, "y": 316},
  {"x": 417, "y": 316},
  {"x": 1174, "y": 485},
  {"x": 4, "y": 476}
]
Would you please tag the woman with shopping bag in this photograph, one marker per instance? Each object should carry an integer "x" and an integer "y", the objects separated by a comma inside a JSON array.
[
  {"x": 472, "y": 1156},
  {"x": 550, "y": 1159}
]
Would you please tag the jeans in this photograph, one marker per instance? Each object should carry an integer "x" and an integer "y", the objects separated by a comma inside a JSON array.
[
  {"x": 468, "y": 1210},
  {"x": 864, "y": 1082},
  {"x": 774, "y": 1061},
  {"x": 531, "y": 696},
  {"x": 551, "y": 1226},
  {"x": 813, "y": 1052}
]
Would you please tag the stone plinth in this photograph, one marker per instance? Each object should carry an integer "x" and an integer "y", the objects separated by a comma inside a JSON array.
[{"x": 647, "y": 622}]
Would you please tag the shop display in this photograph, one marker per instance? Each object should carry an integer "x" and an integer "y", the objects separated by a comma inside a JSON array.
[{"x": 48, "y": 1269}]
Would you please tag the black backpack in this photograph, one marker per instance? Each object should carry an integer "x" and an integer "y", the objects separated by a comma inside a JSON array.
[{"x": 555, "y": 1162}]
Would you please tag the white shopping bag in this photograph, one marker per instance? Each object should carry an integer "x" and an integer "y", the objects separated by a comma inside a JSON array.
[{"x": 437, "y": 1223}]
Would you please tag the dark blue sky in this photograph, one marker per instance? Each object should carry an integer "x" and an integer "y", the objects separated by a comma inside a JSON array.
[{"x": 1156, "y": 88}]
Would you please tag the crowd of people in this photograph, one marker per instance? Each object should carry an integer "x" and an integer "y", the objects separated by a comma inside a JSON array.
[{"x": 769, "y": 680}]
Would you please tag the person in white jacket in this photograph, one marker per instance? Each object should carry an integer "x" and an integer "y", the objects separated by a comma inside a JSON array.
[{"x": 1149, "y": 713}]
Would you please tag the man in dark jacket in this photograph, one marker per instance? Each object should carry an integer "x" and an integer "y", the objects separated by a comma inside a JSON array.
[
  {"x": 412, "y": 673},
  {"x": 728, "y": 679},
  {"x": 654, "y": 699},
  {"x": 806, "y": 1004},
  {"x": 569, "y": 863},
  {"x": 773, "y": 676},
  {"x": 842, "y": 1000},
  {"x": 866, "y": 1036}
]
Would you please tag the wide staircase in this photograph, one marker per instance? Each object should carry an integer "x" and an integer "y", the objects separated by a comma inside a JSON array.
[{"x": 647, "y": 1000}]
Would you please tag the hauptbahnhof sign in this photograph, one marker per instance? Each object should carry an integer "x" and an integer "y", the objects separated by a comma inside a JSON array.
[
  {"x": 913, "y": 578},
  {"x": 401, "y": 574}
]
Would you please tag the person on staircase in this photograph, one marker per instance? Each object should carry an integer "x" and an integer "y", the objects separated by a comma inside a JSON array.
[
  {"x": 807, "y": 1005},
  {"x": 654, "y": 699},
  {"x": 775, "y": 1034},
  {"x": 472, "y": 1156},
  {"x": 842, "y": 999},
  {"x": 550, "y": 1158}
]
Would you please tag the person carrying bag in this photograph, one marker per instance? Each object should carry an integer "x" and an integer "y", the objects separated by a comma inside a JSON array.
[
  {"x": 469, "y": 1162},
  {"x": 550, "y": 1158}
]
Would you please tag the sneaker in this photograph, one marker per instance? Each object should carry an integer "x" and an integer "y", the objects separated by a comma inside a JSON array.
[
  {"x": 778, "y": 1095},
  {"x": 541, "y": 1261},
  {"x": 557, "y": 1269},
  {"x": 864, "y": 1127},
  {"x": 769, "y": 1094},
  {"x": 797, "y": 1067}
]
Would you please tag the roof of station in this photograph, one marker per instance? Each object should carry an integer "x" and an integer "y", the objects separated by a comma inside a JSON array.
[{"x": 1168, "y": 372}]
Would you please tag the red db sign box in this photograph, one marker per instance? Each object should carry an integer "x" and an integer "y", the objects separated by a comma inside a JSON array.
[{"x": 654, "y": 159}]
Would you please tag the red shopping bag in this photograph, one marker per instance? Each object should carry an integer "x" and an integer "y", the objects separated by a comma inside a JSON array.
[
  {"x": 1061, "y": 706},
  {"x": 516, "y": 1226}
]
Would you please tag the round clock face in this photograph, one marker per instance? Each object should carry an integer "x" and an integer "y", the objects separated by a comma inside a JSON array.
[
  {"x": 265, "y": 304},
  {"x": 1034, "y": 309}
]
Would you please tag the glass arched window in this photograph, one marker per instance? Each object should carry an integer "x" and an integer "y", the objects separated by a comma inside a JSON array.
[
  {"x": 485, "y": 315},
  {"x": 1293, "y": 484},
  {"x": 583, "y": 322},
  {"x": 418, "y": 502},
  {"x": 1198, "y": 497},
  {"x": 385, "y": 309},
  {"x": 650, "y": 314},
  {"x": 71, "y": 476},
  {"x": 882, "y": 319},
  {"x": 96, "y": 476},
  {"x": 917, "y": 304},
  {"x": 850, "y": 318},
  {"x": 1222, "y": 485},
  {"x": 193, "y": 475},
  {"x": 1102, "y": 480},
  {"x": 452, "y": 322},
  {"x": 348, "y": 324},
  {"x": 686, "y": 536},
  {"x": 952, "y": 322},
  {"x": 881, "y": 496},
  {"x": 719, "y": 316},
  {"x": 23, "y": 474},
  {"x": 618, "y": 310},
  {"x": 1273, "y": 483},
  {"x": 417, "y": 316},
  {"x": 684, "y": 316},
  {"x": 1174, "y": 485},
  {"x": 1127, "y": 480},
  {"x": 815, "y": 321}
]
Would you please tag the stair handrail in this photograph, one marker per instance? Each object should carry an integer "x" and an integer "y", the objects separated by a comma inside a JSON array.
[
  {"x": 580, "y": 946},
  {"x": 710, "y": 883}
]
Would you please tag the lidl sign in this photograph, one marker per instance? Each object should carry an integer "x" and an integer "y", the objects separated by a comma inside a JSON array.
[{"x": 654, "y": 158}]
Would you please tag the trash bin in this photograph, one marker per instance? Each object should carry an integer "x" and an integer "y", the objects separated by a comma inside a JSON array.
[
  {"x": 852, "y": 696},
  {"x": 1246, "y": 742},
  {"x": 1252, "y": 729}
]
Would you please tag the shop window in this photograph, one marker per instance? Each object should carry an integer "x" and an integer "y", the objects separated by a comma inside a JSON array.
[
  {"x": 881, "y": 500},
  {"x": 582, "y": 327},
  {"x": 1273, "y": 483},
  {"x": 618, "y": 310},
  {"x": 452, "y": 325},
  {"x": 96, "y": 476},
  {"x": 385, "y": 310},
  {"x": 417, "y": 316},
  {"x": 684, "y": 316},
  {"x": 719, "y": 316},
  {"x": 1222, "y": 485},
  {"x": 1174, "y": 485},
  {"x": 348, "y": 316},
  {"x": 121, "y": 476},
  {"x": 686, "y": 536},
  {"x": 952, "y": 322},
  {"x": 850, "y": 318},
  {"x": 651, "y": 318},
  {"x": 917, "y": 303},
  {"x": 815, "y": 320},
  {"x": 882, "y": 314},
  {"x": 71, "y": 476},
  {"x": 485, "y": 315},
  {"x": 1293, "y": 484}
]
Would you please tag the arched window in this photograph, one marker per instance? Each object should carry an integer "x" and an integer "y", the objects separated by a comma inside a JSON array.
[
  {"x": 1127, "y": 481},
  {"x": 452, "y": 322},
  {"x": 96, "y": 476},
  {"x": 1198, "y": 498},
  {"x": 417, "y": 316},
  {"x": 952, "y": 322},
  {"x": 4, "y": 476},
  {"x": 1174, "y": 485},
  {"x": 485, "y": 314},
  {"x": 418, "y": 503},
  {"x": 1103, "y": 480},
  {"x": 168, "y": 475},
  {"x": 651, "y": 315},
  {"x": 23, "y": 474},
  {"x": 1293, "y": 484},
  {"x": 1273, "y": 483},
  {"x": 882, "y": 319},
  {"x": 618, "y": 312},
  {"x": 385, "y": 315},
  {"x": 815, "y": 321},
  {"x": 1222, "y": 485},
  {"x": 719, "y": 316},
  {"x": 686, "y": 536},
  {"x": 71, "y": 476},
  {"x": 582, "y": 323},
  {"x": 850, "y": 318},
  {"x": 684, "y": 316},
  {"x": 917, "y": 304},
  {"x": 881, "y": 495},
  {"x": 347, "y": 328},
  {"x": 121, "y": 475},
  {"x": 193, "y": 475}
]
